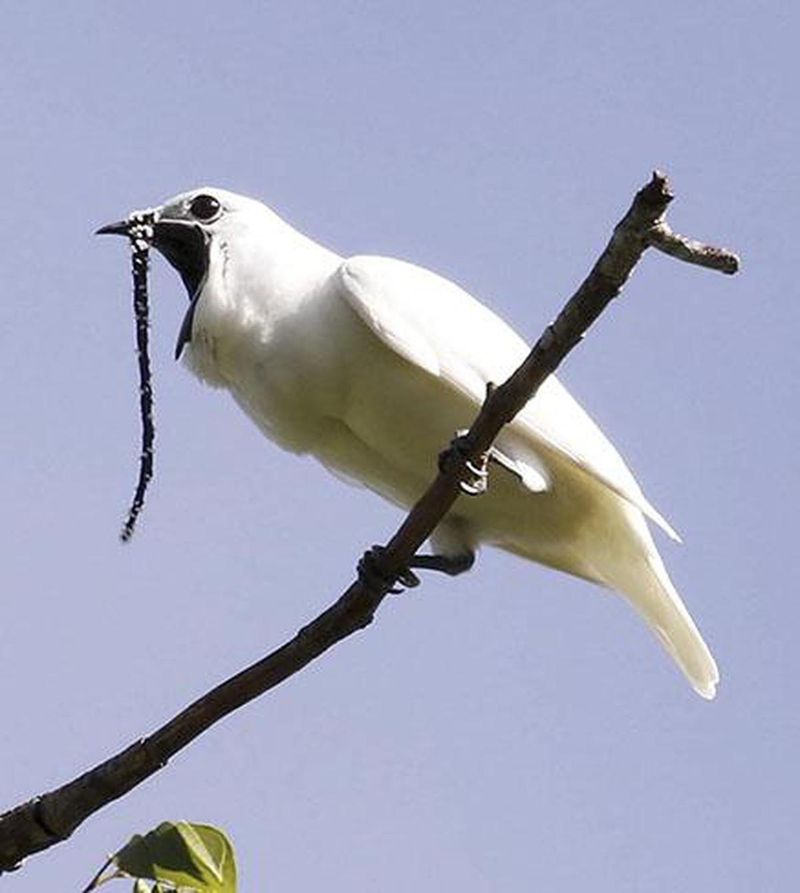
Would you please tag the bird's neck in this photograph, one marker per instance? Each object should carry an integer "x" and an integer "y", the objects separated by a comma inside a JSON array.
[
  {"x": 258, "y": 284},
  {"x": 293, "y": 266}
]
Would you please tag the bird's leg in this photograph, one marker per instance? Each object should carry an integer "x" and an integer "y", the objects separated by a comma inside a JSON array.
[
  {"x": 452, "y": 565},
  {"x": 477, "y": 483}
]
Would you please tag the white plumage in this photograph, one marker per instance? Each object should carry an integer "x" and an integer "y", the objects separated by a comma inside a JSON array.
[{"x": 372, "y": 364}]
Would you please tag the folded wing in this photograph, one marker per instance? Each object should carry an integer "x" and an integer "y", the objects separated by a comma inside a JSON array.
[{"x": 439, "y": 327}]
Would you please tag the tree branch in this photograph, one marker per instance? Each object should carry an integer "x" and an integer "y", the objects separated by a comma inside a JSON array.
[
  {"x": 662, "y": 238},
  {"x": 52, "y": 817}
]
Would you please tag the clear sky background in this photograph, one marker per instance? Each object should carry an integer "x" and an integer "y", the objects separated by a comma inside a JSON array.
[{"x": 514, "y": 729}]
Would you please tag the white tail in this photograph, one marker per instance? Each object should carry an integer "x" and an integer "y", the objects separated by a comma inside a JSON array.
[{"x": 646, "y": 584}]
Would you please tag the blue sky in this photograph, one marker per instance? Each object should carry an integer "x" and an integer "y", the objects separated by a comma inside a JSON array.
[{"x": 514, "y": 729}]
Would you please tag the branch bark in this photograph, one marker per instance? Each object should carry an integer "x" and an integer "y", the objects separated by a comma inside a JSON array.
[{"x": 52, "y": 817}]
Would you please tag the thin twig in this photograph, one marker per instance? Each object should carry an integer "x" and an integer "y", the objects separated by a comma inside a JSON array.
[
  {"x": 691, "y": 251},
  {"x": 97, "y": 880},
  {"x": 52, "y": 817}
]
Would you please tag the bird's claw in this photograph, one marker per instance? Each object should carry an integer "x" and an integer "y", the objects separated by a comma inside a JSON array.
[
  {"x": 478, "y": 484},
  {"x": 370, "y": 574},
  {"x": 478, "y": 481}
]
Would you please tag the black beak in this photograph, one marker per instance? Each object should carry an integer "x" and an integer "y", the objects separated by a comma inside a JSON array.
[
  {"x": 185, "y": 246},
  {"x": 121, "y": 228}
]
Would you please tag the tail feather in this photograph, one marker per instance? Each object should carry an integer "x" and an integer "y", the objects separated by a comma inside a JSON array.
[{"x": 648, "y": 587}]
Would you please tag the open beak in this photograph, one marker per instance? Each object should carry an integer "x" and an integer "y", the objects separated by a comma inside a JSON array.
[{"x": 185, "y": 246}]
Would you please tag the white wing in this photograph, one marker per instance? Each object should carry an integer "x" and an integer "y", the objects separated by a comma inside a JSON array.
[{"x": 436, "y": 325}]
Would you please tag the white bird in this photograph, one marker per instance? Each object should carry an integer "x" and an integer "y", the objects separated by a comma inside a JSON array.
[{"x": 372, "y": 364}]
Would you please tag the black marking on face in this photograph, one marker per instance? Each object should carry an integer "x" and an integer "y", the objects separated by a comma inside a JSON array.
[{"x": 186, "y": 246}]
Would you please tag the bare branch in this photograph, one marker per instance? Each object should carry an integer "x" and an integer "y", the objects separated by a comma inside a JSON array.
[
  {"x": 52, "y": 817},
  {"x": 691, "y": 251}
]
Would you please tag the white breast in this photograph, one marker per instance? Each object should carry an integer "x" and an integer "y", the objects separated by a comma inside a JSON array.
[{"x": 276, "y": 342}]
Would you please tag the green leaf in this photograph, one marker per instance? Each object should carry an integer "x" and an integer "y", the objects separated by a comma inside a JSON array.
[{"x": 183, "y": 855}]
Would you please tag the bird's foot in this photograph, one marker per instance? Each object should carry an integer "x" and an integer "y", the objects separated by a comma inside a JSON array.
[
  {"x": 476, "y": 482},
  {"x": 370, "y": 574}
]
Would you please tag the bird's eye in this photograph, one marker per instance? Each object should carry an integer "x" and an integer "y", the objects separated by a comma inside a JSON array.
[{"x": 204, "y": 207}]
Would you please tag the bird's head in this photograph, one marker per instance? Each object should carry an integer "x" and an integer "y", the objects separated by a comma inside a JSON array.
[{"x": 184, "y": 229}]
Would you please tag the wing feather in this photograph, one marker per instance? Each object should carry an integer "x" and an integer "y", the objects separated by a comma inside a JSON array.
[{"x": 439, "y": 327}]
